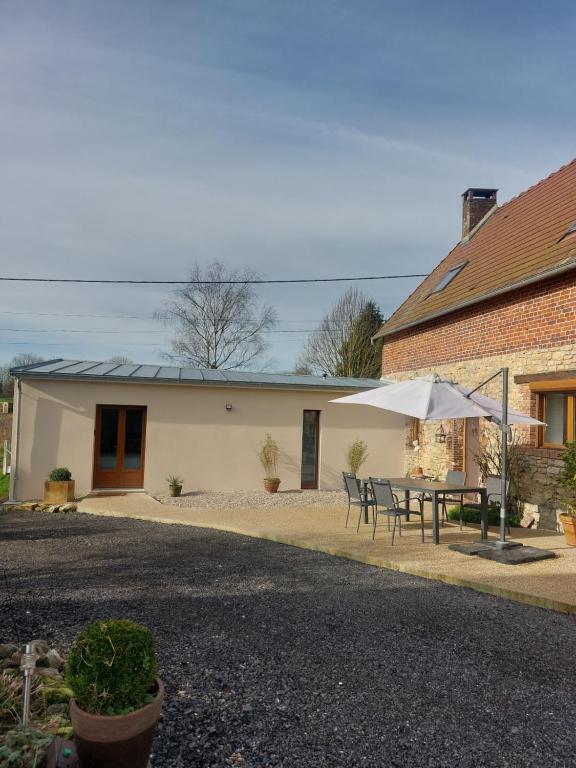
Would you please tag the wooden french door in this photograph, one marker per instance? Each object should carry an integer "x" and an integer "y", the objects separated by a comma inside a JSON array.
[
  {"x": 310, "y": 449},
  {"x": 119, "y": 446}
]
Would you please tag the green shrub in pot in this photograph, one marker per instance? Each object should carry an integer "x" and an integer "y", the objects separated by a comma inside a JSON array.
[
  {"x": 112, "y": 667},
  {"x": 117, "y": 695},
  {"x": 60, "y": 475}
]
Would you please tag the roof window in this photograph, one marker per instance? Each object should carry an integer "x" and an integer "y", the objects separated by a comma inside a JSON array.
[{"x": 447, "y": 278}]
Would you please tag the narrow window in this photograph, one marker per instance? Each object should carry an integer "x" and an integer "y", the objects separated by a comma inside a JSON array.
[{"x": 310, "y": 448}]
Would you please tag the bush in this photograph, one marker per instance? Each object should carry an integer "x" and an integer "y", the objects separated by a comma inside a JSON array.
[
  {"x": 268, "y": 455},
  {"x": 472, "y": 515},
  {"x": 60, "y": 474},
  {"x": 24, "y": 749},
  {"x": 356, "y": 455},
  {"x": 112, "y": 667}
]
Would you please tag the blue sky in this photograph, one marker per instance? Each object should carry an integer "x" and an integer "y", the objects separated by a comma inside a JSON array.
[{"x": 305, "y": 139}]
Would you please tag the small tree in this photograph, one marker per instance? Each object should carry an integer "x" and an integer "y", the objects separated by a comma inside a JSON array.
[
  {"x": 342, "y": 344},
  {"x": 356, "y": 455},
  {"x": 268, "y": 455},
  {"x": 6, "y": 380},
  {"x": 217, "y": 319},
  {"x": 488, "y": 457}
]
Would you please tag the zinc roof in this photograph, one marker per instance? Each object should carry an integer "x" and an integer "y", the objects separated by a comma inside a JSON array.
[
  {"x": 89, "y": 370},
  {"x": 522, "y": 241}
]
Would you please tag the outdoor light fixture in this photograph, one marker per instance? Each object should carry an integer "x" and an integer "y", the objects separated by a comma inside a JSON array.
[
  {"x": 441, "y": 435},
  {"x": 228, "y": 406}
]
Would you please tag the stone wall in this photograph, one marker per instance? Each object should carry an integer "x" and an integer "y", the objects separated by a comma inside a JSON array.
[{"x": 539, "y": 490}]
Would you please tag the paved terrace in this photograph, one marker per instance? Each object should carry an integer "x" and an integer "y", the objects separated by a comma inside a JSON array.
[{"x": 548, "y": 584}]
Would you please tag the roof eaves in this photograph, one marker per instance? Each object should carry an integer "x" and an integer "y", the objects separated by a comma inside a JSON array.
[{"x": 551, "y": 272}]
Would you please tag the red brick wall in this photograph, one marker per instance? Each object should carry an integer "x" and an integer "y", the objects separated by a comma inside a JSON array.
[{"x": 539, "y": 315}]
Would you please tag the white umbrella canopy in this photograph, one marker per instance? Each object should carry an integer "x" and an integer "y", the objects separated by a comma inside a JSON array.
[{"x": 434, "y": 398}]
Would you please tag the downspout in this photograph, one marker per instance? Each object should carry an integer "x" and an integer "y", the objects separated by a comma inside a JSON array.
[{"x": 14, "y": 448}]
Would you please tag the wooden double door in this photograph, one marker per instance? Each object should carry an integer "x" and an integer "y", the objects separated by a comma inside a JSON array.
[{"x": 120, "y": 437}]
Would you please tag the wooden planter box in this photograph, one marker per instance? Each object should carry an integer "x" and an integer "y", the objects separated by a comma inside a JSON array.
[{"x": 58, "y": 491}]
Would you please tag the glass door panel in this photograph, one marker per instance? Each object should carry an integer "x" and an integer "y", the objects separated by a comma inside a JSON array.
[
  {"x": 310, "y": 443},
  {"x": 108, "y": 448},
  {"x": 133, "y": 438}
]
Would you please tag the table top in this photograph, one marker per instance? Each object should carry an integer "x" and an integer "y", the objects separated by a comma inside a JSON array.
[{"x": 414, "y": 484}]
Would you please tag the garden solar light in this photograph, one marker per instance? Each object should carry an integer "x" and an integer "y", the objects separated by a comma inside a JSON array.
[{"x": 27, "y": 665}]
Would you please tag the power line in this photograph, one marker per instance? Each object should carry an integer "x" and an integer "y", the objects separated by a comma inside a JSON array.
[{"x": 206, "y": 282}]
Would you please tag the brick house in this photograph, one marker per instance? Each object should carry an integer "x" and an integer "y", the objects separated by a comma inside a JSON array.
[{"x": 504, "y": 296}]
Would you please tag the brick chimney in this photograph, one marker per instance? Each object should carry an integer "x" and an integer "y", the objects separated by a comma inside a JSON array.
[{"x": 475, "y": 205}]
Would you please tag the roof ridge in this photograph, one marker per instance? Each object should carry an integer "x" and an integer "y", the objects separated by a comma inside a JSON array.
[{"x": 537, "y": 184}]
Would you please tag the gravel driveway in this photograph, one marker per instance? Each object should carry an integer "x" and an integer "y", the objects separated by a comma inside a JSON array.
[{"x": 275, "y": 656}]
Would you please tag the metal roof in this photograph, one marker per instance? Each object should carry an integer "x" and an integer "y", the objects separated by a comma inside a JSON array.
[{"x": 89, "y": 370}]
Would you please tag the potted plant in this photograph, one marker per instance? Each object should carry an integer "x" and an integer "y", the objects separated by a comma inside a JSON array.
[
  {"x": 356, "y": 455},
  {"x": 59, "y": 488},
  {"x": 568, "y": 481},
  {"x": 117, "y": 696},
  {"x": 268, "y": 456},
  {"x": 175, "y": 485}
]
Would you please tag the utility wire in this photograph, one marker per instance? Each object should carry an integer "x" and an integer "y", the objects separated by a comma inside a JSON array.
[{"x": 206, "y": 282}]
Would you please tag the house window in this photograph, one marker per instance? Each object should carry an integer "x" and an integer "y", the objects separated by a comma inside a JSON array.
[{"x": 557, "y": 410}]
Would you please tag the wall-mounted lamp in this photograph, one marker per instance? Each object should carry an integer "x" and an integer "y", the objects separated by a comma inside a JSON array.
[
  {"x": 440, "y": 435},
  {"x": 228, "y": 406}
]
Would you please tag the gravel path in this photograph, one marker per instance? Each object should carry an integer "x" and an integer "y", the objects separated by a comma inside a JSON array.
[
  {"x": 257, "y": 499},
  {"x": 275, "y": 656}
]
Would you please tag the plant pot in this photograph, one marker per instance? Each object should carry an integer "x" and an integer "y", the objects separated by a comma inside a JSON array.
[
  {"x": 58, "y": 491},
  {"x": 271, "y": 484},
  {"x": 175, "y": 490},
  {"x": 122, "y": 741},
  {"x": 569, "y": 526}
]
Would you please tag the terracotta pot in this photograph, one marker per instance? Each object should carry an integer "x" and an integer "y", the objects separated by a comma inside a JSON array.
[
  {"x": 417, "y": 471},
  {"x": 569, "y": 525},
  {"x": 271, "y": 484},
  {"x": 58, "y": 491},
  {"x": 122, "y": 741},
  {"x": 175, "y": 490}
]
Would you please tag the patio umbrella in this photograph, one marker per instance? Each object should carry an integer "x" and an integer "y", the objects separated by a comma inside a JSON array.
[{"x": 432, "y": 397}]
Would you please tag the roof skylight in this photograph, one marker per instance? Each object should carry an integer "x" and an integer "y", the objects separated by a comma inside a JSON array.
[{"x": 447, "y": 278}]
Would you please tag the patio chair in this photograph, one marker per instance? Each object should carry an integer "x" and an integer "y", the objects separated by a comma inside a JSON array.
[
  {"x": 356, "y": 497},
  {"x": 387, "y": 504},
  {"x": 494, "y": 491},
  {"x": 458, "y": 478}
]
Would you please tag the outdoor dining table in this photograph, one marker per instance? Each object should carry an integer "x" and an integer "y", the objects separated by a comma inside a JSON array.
[{"x": 435, "y": 489}]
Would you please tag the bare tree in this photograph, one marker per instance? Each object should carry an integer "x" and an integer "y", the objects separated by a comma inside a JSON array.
[
  {"x": 341, "y": 345},
  {"x": 217, "y": 318},
  {"x": 119, "y": 359},
  {"x": 7, "y": 381}
]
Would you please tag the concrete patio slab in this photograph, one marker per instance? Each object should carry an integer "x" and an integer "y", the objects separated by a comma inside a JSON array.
[{"x": 548, "y": 584}]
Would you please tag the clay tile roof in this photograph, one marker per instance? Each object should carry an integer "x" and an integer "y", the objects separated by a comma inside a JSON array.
[{"x": 522, "y": 241}]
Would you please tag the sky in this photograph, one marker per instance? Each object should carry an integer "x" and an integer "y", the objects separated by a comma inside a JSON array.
[{"x": 301, "y": 138}]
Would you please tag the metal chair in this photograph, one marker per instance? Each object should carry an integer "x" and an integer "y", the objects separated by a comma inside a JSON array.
[
  {"x": 356, "y": 497},
  {"x": 387, "y": 504},
  {"x": 494, "y": 490},
  {"x": 458, "y": 478}
]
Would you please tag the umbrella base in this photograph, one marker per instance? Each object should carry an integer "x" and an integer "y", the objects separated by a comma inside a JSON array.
[
  {"x": 498, "y": 544},
  {"x": 517, "y": 555}
]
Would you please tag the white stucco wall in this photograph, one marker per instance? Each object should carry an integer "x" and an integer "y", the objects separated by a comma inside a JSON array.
[{"x": 190, "y": 433}]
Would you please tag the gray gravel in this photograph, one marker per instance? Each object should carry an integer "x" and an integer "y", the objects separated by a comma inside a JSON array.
[
  {"x": 275, "y": 656},
  {"x": 256, "y": 499}
]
